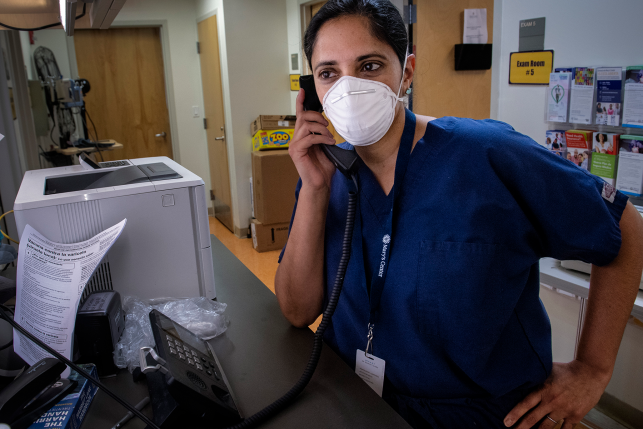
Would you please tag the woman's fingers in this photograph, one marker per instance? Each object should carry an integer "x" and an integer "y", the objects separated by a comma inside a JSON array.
[
  {"x": 549, "y": 424},
  {"x": 568, "y": 425},
  {"x": 534, "y": 416},
  {"x": 299, "y": 102},
  {"x": 313, "y": 128},
  {"x": 312, "y": 116},
  {"x": 523, "y": 407}
]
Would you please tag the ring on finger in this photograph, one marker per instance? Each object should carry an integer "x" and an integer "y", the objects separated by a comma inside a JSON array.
[{"x": 555, "y": 422}]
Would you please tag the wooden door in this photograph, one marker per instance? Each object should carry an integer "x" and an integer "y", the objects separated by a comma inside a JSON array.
[
  {"x": 127, "y": 100},
  {"x": 439, "y": 90},
  {"x": 213, "y": 113}
]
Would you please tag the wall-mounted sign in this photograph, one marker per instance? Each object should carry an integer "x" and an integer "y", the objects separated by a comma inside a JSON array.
[
  {"x": 530, "y": 68},
  {"x": 531, "y": 35},
  {"x": 294, "y": 82}
]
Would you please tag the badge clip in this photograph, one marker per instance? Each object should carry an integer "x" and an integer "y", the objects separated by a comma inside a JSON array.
[{"x": 369, "y": 343}]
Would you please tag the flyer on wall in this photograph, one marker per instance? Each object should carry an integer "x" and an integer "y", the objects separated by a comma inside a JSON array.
[
  {"x": 558, "y": 97},
  {"x": 609, "y": 85},
  {"x": 633, "y": 104},
  {"x": 582, "y": 95}
]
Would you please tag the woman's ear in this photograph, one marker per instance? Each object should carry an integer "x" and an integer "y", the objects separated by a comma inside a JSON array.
[{"x": 409, "y": 71}]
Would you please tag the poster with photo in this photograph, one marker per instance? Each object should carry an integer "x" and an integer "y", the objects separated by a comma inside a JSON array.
[
  {"x": 558, "y": 97},
  {"x": 607, "y": 143},
  {"x": 582, "y": 95},
  {"x": 555, "y": 142},
  {"x": 603, "y": 159},
  {"x": 579, "y": 147},
  {"x": 633, "y": 103},
  {"x": 609, "y": 83}
]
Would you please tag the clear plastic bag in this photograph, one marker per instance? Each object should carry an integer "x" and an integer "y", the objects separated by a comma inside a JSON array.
[{"x": 201, "y": 316}]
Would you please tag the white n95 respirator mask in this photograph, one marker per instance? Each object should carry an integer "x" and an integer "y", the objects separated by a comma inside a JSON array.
[{"x": 361, "y": 110}]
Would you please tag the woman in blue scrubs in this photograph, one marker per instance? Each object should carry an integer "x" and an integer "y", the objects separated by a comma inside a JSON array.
[{"x": 453, "y": 217}]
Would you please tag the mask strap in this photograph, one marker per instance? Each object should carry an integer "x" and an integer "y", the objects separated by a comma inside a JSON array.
[{"x": 402, "y": 81}]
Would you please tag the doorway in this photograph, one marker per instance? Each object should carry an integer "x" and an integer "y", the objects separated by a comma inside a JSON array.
[
  {"x": 214, "y": 120},
  {"x": 127, "y": 101}
]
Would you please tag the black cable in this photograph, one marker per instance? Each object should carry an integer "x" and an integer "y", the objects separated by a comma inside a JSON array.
[
  {"x": 51, "y": 132},
  {"x": 10, "y": 343},
  {"x": 56, "y": 24},
  {"x": 76, "y": 368},
  {"x": 95, "y": 134},
  {"x": 92, "y": 121},
  {"x": 290, "y": 396}
]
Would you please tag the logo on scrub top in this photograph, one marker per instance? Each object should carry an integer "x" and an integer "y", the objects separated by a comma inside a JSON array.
[
  {"x": 386, "y": 240},
  {"x": 279, "y": 138}
]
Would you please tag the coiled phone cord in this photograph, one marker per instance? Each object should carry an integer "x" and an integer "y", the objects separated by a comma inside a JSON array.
[{"x": 290, "y": 396}]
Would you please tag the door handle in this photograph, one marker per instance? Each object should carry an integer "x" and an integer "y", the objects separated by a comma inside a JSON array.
[
  {"x": 220, "y": 138},
  {"x": 161, "y": 134}
]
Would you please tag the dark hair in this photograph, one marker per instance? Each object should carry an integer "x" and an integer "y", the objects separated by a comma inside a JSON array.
[
  {"x": 385, "y": 21},
  {"x": 601, "y": 134}
]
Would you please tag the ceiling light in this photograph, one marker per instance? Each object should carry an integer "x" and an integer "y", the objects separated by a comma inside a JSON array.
[{"x": 68, "y": 15}]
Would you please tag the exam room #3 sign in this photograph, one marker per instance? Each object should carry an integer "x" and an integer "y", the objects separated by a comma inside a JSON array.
[{"x": 530, "y": 68}]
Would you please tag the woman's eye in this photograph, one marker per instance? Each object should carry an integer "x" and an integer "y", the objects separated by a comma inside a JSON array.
[
  {"x": 326, "y": 74},
  {"x": 371, "y": 67}
]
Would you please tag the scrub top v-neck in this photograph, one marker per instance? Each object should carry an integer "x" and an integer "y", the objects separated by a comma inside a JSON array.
[{"x": 460, "y": 315}]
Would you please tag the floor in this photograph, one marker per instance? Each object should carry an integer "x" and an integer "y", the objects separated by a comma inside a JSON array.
[{"x": 263, "y": 265}]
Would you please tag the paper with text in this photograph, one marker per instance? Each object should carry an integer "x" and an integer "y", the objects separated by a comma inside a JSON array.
[
  {"x": 475, "y": 26},
  {"x": 50, "y": 280}
]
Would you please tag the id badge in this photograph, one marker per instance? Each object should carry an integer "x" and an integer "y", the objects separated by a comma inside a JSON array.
[{"x": 370, "y": 369}]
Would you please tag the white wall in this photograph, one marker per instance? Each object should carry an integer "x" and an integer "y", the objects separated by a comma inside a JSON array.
[
  {"x": 579, "y": 33},
  {"x": 255, "y": 67},
  {"x": 183, "y": 68}
]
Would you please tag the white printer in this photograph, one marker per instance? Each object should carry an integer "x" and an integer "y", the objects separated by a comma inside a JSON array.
[{"x": 164, "y": 250}]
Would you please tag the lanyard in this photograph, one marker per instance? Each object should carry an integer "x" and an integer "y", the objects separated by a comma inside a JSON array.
[{"x": 379, "y": 275}]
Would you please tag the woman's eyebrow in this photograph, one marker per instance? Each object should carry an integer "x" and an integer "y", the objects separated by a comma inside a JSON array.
[
  {"x": 325, "y": 63},
  {"x": 371, "y": 55}
]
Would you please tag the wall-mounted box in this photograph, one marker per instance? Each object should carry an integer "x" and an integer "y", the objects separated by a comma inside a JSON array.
[{"x": 473, "y": 56}]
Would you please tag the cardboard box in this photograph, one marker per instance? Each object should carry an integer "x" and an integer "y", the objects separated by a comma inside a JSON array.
[
  {"x": 579, "y": 147},
  {"x": 604, "y": 157},
  {"x": 268, "y": 237},
  {"x": 272, "y": 139},
  {"x": 629, "y": 179},
  {"x": 272, "y": 122},
  {"x": 70, "y": 412},
  {"x": 274, "y": 181}
]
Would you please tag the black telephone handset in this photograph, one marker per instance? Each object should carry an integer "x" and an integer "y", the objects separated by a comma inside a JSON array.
[
  {"x": 344, "y": 160},
  {"x": 34, "y": 392}
]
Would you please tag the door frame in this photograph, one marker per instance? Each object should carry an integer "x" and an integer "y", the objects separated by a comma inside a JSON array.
[
  {"x": 161, "y": 24},
  {"x": 227, "y": 109}
]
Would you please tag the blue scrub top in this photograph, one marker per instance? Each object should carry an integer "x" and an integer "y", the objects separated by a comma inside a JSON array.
[{"x": 460, "y": 312}]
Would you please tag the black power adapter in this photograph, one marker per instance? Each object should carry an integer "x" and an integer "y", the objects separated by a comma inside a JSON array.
[{"x": 99, "y": 324}]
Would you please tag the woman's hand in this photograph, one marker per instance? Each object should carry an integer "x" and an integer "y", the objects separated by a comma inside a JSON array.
[
  {"x": 313, "y": 166},
  {"x": 571, "y": 390}
]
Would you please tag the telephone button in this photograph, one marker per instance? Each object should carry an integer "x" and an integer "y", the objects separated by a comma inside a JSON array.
[{"x": 181, "y": 356}]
